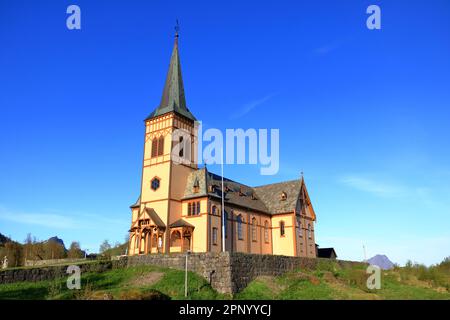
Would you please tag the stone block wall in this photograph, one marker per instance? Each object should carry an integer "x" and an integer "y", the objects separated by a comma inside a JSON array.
[
  {"x": 227, "y": 272},
  {"x": 48, "y": 273},
  {"x": 231, "y": 272},
  {"x": 246, "y": 267},
  {"x": 214, "y": 267},
  {"x": 38, "y": 263}
]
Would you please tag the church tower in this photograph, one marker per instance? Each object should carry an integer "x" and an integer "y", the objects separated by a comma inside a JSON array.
[{"x": 164, "y": 176}]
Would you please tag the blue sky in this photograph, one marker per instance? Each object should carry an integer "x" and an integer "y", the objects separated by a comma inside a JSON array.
[{"x": 364, "y": 113}]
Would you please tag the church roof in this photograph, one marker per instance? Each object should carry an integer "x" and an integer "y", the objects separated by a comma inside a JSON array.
[
  {"x": 270, "y": 194},
  {"x": 137, "y": 204},
  {"x": 155, "y": 218},
  {"x": 326, "y": 253},
  {"x": 173, "y": 99},
  {"x": 181, "y": 223},
  {"x": 266, "y": 198}
]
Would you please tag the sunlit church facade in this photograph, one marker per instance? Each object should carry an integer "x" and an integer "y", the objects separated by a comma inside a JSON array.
[{"x": 180, "y": 205}]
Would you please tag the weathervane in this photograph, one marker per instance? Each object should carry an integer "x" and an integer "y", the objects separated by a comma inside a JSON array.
[{"x": 177, "y": 28}]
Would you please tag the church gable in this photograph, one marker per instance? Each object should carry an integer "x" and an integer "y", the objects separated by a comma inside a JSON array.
[
  {"x": 195, "y": 184},
  {"x": 151, "y": 216},
  {"x": 304, "y": 203},
  {"x": 280, "y": 197}
]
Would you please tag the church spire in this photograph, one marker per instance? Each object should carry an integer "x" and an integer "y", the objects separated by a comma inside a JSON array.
[{"x": 173, "y": 99}]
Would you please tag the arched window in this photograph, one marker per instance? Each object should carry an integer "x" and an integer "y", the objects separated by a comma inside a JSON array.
[
  {"x": 266, "y": 231},
  {"x": 142, "y": 243},
  {"x": 154, "y": 147},
  {"x": 309, "y": 231},
  {"x": 239, "y": 227},
  {"x": 136, "y": 245},
  {"x": 225, "y": 218},
  {"x": 214, "y": 236},
  {"x": 181, "y": 147},
  {"x": 158, "y": 146},
  {"x": 282, "y": 231},
  {"x": 175, "y": 239},
  {"x": 300, "y": 231},
  {"x": 254, "y": 234},
  {"x": 194, "y": 208},
  {"x": 161, "y": 146},
  {"x": 214, "y": 211},
  {"x": 154, "y": 241}
]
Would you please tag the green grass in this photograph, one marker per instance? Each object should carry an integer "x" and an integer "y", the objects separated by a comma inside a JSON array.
[
  {"x": 291, "y": 286},
  {"x": 327, "y": 281},
  {"x": 24, "y": 290},
  {"x": 256, "y": 290},
  {"x": 115, "y": 283},
  {"x": 61, "y": 264},
  {"x": 393, "y": 288}
]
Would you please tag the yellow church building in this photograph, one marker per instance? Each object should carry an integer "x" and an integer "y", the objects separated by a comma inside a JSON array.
[{"x": 180, "y": 205}]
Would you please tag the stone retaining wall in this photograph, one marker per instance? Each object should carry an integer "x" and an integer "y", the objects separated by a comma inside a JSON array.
[
  {"x": 226, "y": 272},
  {"x": 246, "y": 267},
  {"x": 231, "y": 272},
  {"x": 38, "y": 263},
  {"x": 49, "y": 273},
  {"x": 214, "y": 267}
]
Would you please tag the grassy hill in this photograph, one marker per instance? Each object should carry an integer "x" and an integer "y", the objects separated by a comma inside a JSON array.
[
  {"x": 116, "y": 250},
  {"x": 138, "y": 283},
  {"x": 331, "y": 282},
  {"x": 327, "y": 281}
]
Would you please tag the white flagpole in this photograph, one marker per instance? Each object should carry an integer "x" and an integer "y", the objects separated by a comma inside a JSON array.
[{"x": 223, "y": 209}]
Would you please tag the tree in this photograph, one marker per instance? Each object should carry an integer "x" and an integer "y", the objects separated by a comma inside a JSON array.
[
  {"x": 54, "y": 250},
  {"x": 105, "y": 246},
  {"x": 28, "y": 247},
  {"x": 75, "y": 251},
  {"x": 13, "y": 251}
]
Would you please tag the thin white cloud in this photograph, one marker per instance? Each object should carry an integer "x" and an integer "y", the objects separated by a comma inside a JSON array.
[
  {"x": 57, "y": 220},
  {"x": 379, "y": 188},
  {"x": 250, "y": 106},
  {"x": 326, "y": 49}
]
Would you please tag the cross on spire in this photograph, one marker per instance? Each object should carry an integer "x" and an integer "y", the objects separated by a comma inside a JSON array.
[{"x": 177, "y": 29}]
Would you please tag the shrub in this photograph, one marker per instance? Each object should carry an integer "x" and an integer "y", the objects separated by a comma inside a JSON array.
[
  {"x": 135, "y": 294},
  {"x": 327, "y": 265},
  {"x": 54, "y": 288}
]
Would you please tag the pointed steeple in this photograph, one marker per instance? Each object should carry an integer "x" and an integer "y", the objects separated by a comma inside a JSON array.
[{"x": 173, "y": 99}]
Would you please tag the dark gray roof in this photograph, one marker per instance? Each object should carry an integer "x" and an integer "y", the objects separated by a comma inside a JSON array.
[
  {"x": 173, "y": 99},
  {"x": 263, "y": 198},
  {"x": 155, "y": 218},
  {"x": 270, "y": 194},
  {"x": 181, "y": 223},
  {"x": 326, "y": 252},
  {"x": 137, "y": 204}
]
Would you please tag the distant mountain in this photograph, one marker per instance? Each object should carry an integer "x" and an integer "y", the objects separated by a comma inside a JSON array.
[
  {"x": 4, "y": 239},
  {"x": 57, "y": 240},
  {"x": 382, "y": 261}
]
